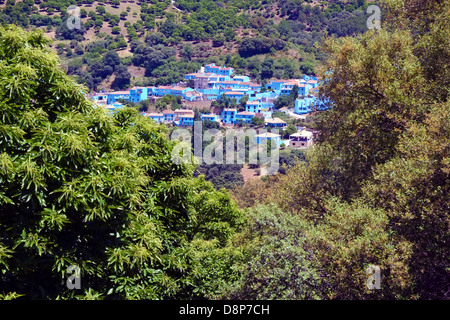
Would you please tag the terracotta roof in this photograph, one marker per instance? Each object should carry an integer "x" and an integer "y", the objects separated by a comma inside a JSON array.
[
  {"x": 154, "y": 115},
  {"x": 275, "y": 120},
  {"x": 246, "y": 113},
  {"x": 187, "y": 116},
  {"x": 164, "y": 87},
  {"x": 168, "y": 112},
  {"x": 234, "y": 93},
  {"x": 229, "y": 109},
  {"x": 291, "y": 82},
  {"x": 231, "y": 81},
  {"x": 179, "y": 88}
]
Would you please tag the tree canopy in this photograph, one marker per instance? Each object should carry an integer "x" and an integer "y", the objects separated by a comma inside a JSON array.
[{"x": 81, "y": 187}]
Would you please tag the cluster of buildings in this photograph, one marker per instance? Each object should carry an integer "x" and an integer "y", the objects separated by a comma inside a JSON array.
[
  {"x": 213, "y": 82},
  {"x": 185, "y": 117}
]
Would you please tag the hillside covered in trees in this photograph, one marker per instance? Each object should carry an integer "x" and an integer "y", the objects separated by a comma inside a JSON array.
[
  {"x": 158, "y": 42},
  {"x": 79, "y": 186}
]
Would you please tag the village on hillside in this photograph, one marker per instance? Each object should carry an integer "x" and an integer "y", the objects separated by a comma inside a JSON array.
[{"x": 211, "y": 83}]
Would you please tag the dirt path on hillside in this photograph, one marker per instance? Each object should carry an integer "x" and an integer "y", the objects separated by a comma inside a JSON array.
[{"x": 249, "y": 174}]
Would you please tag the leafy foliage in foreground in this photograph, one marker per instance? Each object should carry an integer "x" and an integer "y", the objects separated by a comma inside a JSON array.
[
  {"x": 277, "y": 266},
  {"x": 374, "y": 190},
  {"x": 81, "y": 187}
]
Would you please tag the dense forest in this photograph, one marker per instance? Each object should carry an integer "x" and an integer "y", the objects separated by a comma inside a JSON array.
[{"x": 79, "y": 186}]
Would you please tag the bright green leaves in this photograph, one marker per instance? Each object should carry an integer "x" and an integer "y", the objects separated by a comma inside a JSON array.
[
  {"x": 10, "y": 133},
  {"x": 53, "y": 219},
  {"x": 81, "y": 187},
  {"x": 32, "y": 185},
  {"x": 18, "y": 81},
  {"x": 10, "y": 296},
  {"x": 74, "y": 144},
  {"x": 276, "y": 264},
  {"x": 5, "y": 254},
  {"x": 6, "y": 165},
  {"x": 36, "y": 243},
  {"x": 348, "y": 240}
]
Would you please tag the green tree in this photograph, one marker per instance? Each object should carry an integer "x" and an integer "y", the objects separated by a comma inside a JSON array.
[
  {"x": 81, "y": 187},
  {"x": 218, "y": 40},
  {"x": 275, "y": 265},
  {"x": 187, "y": 52},
  {"x": 290, "y": 129},
  {"x": 112, "y": 59},
  {"x": 257, "y": 121},
  {"x": 115, "y": 30},
  {"x": 100, "y": 9},
  {"x": 380, "y": 167},
  {"x": 293, "y": 94},
  {"x": 123, "y": 15},
  {"x": 122, "y": 79}
]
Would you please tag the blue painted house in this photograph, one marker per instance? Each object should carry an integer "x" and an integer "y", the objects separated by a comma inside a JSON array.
[
  {"x": 209, "y": 94},
  {"x": 275, "y": 123},
  {"x": 162, "y": 90},
  {"x": 268, "y": 136},
  {"x": 241, "y": 78},
  {"x": 287, "y": 87},
  {"x": 168, "y": 115},
  {"x": 253, "y": 106},
  {"x": 303, "y": 89},
  {"x": 212, "y": 68},
  {"x": 304, "y": 105},
  {"x": 158, "y": 117},
  {"x": 255, "y": 86},
  {"x": 138, "y": 94},
  {"x": 229, "y": 115},
  {"x": 190, "y": 76},
  {"x": 186, "y": 120},
  {"x": 312, "y": 83},
  {"x": 234, "y": 95},
  {"x": 275, "y": 85},
  {"x": 102, "y": 96},
  {"x": 114, "y": 96},
  {"x": 210, "y": 117},
  {"x": 306, "y": 77},
  {"x": 244, "y": 116},
  {"x": 180, "y": 91}
]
